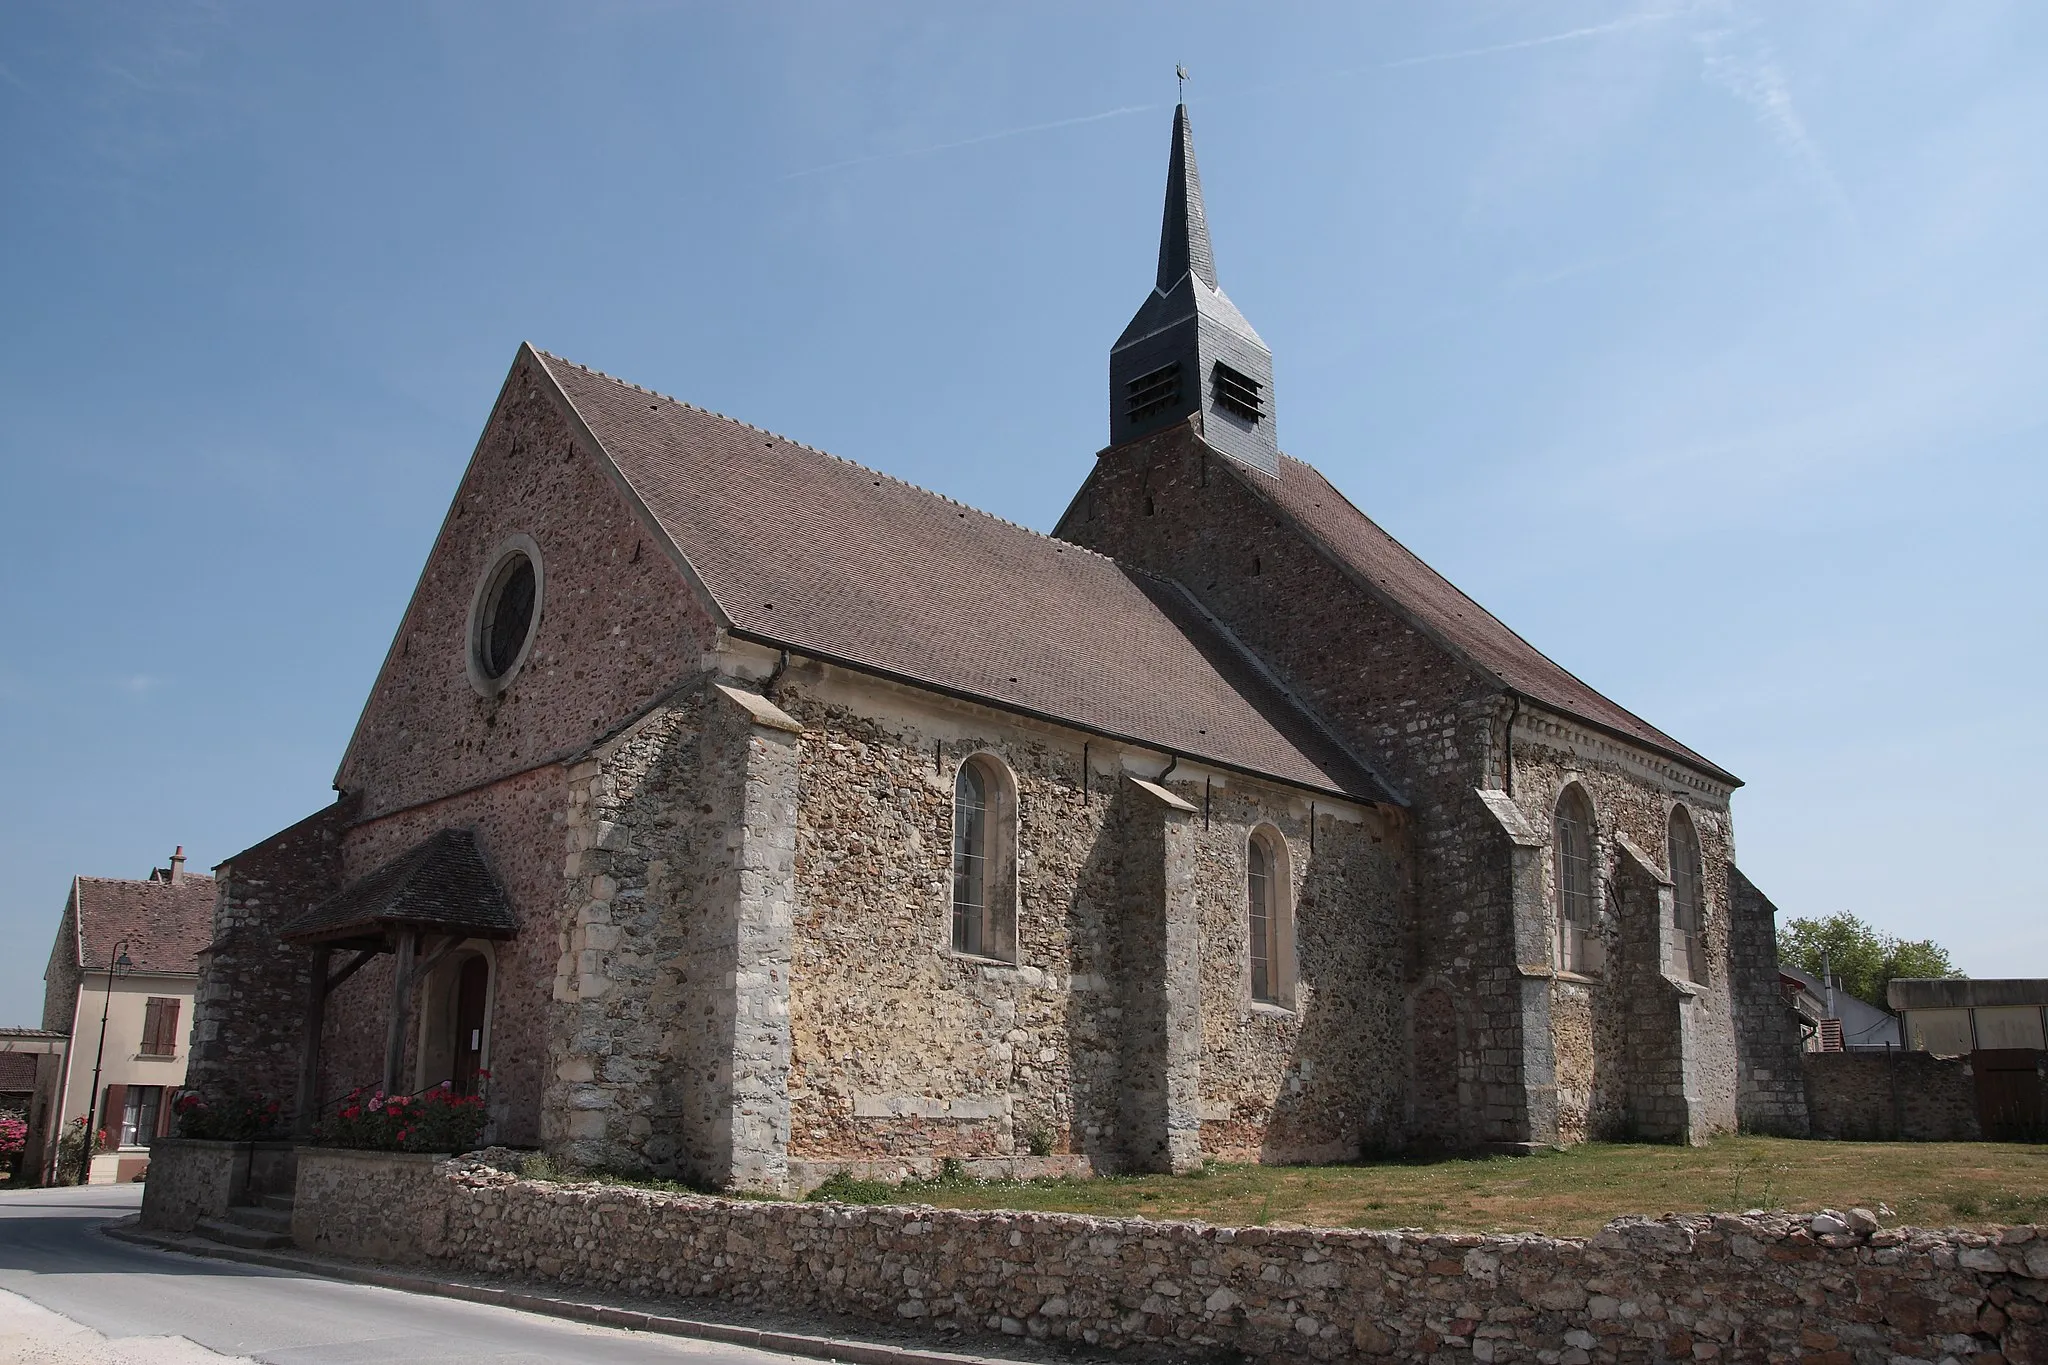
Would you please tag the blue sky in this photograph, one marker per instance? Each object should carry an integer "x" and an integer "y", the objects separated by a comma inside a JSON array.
[{"x": 1702, "y": 342}]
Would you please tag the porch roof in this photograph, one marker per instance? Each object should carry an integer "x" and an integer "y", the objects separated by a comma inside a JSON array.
[{"x": 440, "y": 885}]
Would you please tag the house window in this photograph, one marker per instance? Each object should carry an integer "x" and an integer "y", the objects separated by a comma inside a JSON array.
[
  {"x": 984, "y": 860},
  {"x": 1266, "y": 926},
  {"x": 160, "y": 1026},
  {"x": 139, "y": 1115},
  {"x": 1574, "y": 851},
  {"x": 1688, "y": 902}
]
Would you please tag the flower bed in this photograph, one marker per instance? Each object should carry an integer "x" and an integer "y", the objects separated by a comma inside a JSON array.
[
  {"x": 437, "y": 1120},
  {"x": 248, "y": 1119}
]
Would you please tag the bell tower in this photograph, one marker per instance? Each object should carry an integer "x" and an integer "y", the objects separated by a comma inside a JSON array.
[{"x": 1188, "y": 350}]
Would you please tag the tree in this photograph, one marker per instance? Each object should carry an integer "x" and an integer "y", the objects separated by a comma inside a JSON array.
[{"x": 1862, "y": 960}]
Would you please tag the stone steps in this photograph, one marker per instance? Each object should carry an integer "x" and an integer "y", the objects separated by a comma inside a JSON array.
[
  {"x": 237, "y": 1234},
  {"x": 263, "y": 1218}
]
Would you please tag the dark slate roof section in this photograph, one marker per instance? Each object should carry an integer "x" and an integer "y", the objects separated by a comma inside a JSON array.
[
  {"x": 166, "y": 927},
  {"x": 1428, "y": 598},
  {"x": 815, "y": 554},
  {"x": 440, "y": 885},
  {"x": 1184, "y": 228}
]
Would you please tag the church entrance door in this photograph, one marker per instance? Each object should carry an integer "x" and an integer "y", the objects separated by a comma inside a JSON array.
[{"x": 472, "y": 990}]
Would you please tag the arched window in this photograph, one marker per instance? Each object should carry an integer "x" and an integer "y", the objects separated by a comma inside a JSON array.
[
  {"x": 984, "y": 857},
  {"x": 1574, "y": 851},
  {"x": 1266, "y": 923},
  {"x": 1688, "y": 898}
]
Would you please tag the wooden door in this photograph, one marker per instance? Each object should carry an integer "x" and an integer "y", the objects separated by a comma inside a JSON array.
[
  {"x": 2009, "y": 1098},
  {"x": 472, "y": 992}
]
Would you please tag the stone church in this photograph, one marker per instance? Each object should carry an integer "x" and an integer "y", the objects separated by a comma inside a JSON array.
[{"x": 729, "y": 811}]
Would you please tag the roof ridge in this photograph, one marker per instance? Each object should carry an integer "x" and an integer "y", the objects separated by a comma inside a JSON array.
[
  {"x": 1061, "y": 545},
  {"x": 144, "y": 881}
]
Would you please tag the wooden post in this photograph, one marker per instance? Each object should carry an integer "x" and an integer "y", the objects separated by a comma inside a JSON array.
[
  {"x": 309, "y": 1046},
  {"x": 401, "y": 996}
]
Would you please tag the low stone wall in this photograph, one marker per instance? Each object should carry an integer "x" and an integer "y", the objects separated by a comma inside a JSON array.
[
  {"x": 190, "y": 1180},
  {"x": 1891, "y": 1096},
  {"x": 1774, "y": 1287},
  {"x": 374, "y": 1206}
]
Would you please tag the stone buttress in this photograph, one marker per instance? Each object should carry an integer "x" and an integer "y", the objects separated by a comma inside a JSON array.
[{"x": 671, "y": 1047}]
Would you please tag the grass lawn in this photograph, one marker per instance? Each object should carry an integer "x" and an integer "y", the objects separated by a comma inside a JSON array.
[{"x": 1574, "y": 1192}]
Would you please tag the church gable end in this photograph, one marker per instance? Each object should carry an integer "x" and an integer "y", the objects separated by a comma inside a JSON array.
[{"x": 547, "y": 615}]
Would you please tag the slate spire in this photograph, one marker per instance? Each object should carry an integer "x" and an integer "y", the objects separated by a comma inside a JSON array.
[
  {"x": 1183, "y": 230},
  {"x": 1189, "y": 352}
]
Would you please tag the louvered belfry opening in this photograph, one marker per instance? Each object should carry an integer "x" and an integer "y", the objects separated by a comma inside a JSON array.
[
  {"x": 1153, "y": 392},
  {"x": 1237, "y": 392}
]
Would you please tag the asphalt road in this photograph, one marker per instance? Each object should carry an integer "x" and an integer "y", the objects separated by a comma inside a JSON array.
[{"x": 52, "y": 1254}]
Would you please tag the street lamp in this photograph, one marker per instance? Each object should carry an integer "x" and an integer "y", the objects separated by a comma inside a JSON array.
[{"x": 117, "y": 961}]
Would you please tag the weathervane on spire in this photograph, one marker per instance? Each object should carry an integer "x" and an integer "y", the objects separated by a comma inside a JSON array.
[{"x": 1180, "y": 81}]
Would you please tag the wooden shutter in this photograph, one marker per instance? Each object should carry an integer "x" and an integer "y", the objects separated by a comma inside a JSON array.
[
  {"x": 160, "y": 1026},
  {"x": 113, "y": 1109}
]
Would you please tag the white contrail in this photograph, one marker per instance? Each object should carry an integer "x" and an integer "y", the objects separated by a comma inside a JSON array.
[
  {"x": 1633, "y": 21},
  {"x": 1596, "y": 30},
  {"x": 972, "y": 141}
]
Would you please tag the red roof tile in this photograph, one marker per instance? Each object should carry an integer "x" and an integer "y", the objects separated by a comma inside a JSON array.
[
  {"x": 813, "y": 553},
  {"x": 1357, "y": 542},
  {"x": 164, "y": 926}
]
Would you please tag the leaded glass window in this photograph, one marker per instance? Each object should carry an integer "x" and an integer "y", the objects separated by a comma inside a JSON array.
[
  {"x": 1688, "y": 898},
  {"x": 970, "y": 860},
  {"x": 1574, "y": 852},
  {"x": 1259, "y": 903}
]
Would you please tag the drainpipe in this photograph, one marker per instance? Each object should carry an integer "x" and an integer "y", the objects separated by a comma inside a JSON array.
[{"x": 781, "y": 666}]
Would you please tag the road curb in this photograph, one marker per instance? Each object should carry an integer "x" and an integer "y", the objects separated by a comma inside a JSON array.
[{"x": 789, "y": 1343}]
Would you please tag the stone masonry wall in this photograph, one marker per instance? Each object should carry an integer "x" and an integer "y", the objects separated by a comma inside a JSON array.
[
  {"x": 1595, "y": 1013},
  {"x": 1770, "y": 1094},
  {"x": 1763, "y": 1288},
  {"x": 902, "y": 1047},
  {"x": 670, "y": 1048},
  {"x": 618, "y": 625},
  {"x": 249, "y": 1011},
  {"x": 1875, "y": 1096},
  {"x": 62, "y": 975},
  {"x": 520, "y": 830},
  {"x": 1429, "y": 724}
]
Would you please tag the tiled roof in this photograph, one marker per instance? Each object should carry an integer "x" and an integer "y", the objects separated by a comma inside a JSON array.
[
  {"x": 1428, "y": 597},
  {"x": 821, "y": 556},
  {"x": 164, "y": 926},
  {"x": 17, "y": 1072},
  {"x": 440, "y": 885}
]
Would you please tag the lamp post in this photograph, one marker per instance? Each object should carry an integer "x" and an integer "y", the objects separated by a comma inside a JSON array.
[{"x": 117, "y": 960}]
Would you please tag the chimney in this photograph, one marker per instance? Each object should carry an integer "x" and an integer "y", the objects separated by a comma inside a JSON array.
[{"x": 178, "y": 867}]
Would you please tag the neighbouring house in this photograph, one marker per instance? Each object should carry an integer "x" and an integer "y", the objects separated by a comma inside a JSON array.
[
  {"x": 1832, "y": 1020},
  {"x": 127, "y": 952},
  {"x": 730, "y": 811},
  {"x": 1955, "y": 1015}
]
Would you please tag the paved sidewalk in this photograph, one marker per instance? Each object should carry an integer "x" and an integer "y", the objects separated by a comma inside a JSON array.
[{"x": 31, "y": 1334}]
